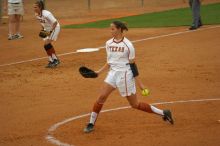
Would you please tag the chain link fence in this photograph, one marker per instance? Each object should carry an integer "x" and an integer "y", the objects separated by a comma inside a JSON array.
[{"x": 77, "y": 8}]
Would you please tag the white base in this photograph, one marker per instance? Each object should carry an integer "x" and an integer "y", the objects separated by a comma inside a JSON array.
[{"x": 87, "y": 50}]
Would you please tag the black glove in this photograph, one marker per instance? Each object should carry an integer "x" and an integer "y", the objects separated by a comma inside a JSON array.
[{"x": 87, "y": 73}]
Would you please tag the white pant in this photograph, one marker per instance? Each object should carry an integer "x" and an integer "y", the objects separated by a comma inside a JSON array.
[
  {"x": 54, "y": 35},
  {"x": 123, "y": 80},
  {"x": 15, "y": 9}
]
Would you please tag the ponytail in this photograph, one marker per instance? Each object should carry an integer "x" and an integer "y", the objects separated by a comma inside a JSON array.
[
  {"x": 120, "y": 25},
  {"x": 40, "y": 4}
]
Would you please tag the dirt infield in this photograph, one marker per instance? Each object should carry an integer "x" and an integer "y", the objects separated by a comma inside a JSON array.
[{"x": 180, "y": 67}]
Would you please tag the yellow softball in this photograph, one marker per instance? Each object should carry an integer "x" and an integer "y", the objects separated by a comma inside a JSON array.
[{"x": 145, "y": 92}]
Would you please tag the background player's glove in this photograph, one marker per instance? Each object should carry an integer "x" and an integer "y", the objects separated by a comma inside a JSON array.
[
  {"x": 87, "y": 73},
  {"x": 44, "y": 34}
]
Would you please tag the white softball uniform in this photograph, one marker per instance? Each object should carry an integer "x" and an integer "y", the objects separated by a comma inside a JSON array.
[
  {"x": 15, "y": 7},
  {"x": 120, "y": 75},
  {"x": 47, "y": 20}
]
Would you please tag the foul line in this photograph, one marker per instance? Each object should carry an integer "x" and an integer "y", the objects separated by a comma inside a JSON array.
[
  {"x": 49, "y": 137},
  {"x": 135, "y": 41}
]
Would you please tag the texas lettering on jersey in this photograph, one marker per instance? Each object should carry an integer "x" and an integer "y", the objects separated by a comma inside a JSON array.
[
  {"x": 41, "y": 20},
  {"x": 116, "y": 49},
  {"x": 119, "y": 54},
  {"x": 46, "y": 19}
]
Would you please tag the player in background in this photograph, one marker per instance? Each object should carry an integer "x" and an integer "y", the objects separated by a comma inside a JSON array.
[
  {"x": 195, "y": 7},
  {"x": 50, "y": 25},
  {"x": 15, "y": 11},
  {"x": 122, "y": 71}
]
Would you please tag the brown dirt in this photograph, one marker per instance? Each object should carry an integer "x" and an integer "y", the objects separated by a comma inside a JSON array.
[{"x": 181, "y": 67}]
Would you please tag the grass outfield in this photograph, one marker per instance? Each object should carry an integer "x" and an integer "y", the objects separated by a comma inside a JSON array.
[{"x": 178, "y": 17}]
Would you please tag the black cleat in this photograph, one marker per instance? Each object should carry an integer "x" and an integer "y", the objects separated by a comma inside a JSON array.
[
  {"x": 51, "y": 65},
  {"x": 168, "y": 116},
  {"x": 12, "y": 37},
  {"x": 89, "y": 128},
  {"x": 56, "y": 61},
  {"x": 193, "y": 28},
  {"x": 18, "y": 36},
  {"x": 200, "y": 23}
]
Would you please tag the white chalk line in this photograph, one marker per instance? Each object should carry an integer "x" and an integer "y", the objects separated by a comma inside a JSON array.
[
  {"x": 135, "y": 41},
  {"x": 49, "y": 137}
]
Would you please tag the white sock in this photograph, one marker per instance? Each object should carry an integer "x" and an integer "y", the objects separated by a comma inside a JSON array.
[
  {"x": 93, "y": 117},
  {"x": 156, "y": 110},
  {"x": 54, "y": 56},
  {"x": 50, "y": 58}
]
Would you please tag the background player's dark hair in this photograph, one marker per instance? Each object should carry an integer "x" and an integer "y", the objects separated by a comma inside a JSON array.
[
  {"x": 121, "y": 25},
  {"x": 40, "y": 4}
]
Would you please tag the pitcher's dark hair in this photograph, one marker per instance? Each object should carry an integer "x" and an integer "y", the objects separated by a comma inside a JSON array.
[{"x": 120, "y": 25}]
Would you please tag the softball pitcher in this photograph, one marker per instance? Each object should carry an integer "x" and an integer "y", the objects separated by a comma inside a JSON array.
[
  {"x": 121, "y": 75},
  {"x": 49, "y": 33}
]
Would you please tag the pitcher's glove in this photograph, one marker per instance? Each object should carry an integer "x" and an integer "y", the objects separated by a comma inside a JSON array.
[
  {"x": 44, "y": 34},
  {"x": 87, "y": 73}
]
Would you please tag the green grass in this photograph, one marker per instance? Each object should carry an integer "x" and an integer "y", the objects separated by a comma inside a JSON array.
[{"x": 178, "y": 17}]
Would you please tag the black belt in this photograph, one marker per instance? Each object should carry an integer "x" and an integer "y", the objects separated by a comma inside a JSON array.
[{"x": 14, "y": 3}]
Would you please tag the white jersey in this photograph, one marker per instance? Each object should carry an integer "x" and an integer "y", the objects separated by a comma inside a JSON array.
[
  {"x": 47, "y": 20},
  {"x": 119, "y": 54}
]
